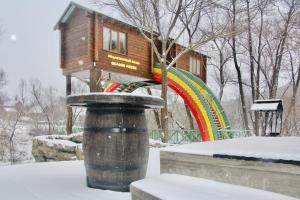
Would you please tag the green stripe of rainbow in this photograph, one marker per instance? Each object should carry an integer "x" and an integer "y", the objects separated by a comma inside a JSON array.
[
  {"x": 195, "y": 101},
  {"x": 215, "y": 103}
]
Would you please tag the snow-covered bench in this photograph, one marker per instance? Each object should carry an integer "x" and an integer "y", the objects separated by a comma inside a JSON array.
[
  {"x": 175, "y": 187},
  {"x": 266, "y": 163}
]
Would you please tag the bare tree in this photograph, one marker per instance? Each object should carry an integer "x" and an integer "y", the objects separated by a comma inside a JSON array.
[
  {"x": 78, "y": 87},
  {"x": 156, "y": 114},
  {"x": 255, "y": 12},
  {"x": 3, "y": 81},
  {"x": 10, "y": 125},
  {"x": 276, "y": 42},
  {"x": 18, "y": 115},
  {"x": 233, "y": 12},
  {"x": 39, "y": 100},
  {"x": 221, "y": 50},
  {"x": 158, "y": 22},
  {"x": 294, "y": 72}
]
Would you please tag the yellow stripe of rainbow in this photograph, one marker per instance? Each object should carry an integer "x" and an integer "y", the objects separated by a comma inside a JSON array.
[
  {"x": 213, "y": 103},
  {"x": 193, "y": 97}
]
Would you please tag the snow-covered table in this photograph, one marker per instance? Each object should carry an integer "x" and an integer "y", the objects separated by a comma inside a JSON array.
[{"x": 268, "y": 163}]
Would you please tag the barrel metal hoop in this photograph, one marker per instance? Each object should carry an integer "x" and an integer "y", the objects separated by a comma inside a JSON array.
[
  {"x": 113, "y": 168},
  {"x": 109, "y": 130},
  {"x": 122, "y": 187}
]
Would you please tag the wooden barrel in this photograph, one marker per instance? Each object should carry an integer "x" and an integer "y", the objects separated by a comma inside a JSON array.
[{"x": 115, "y": 140}]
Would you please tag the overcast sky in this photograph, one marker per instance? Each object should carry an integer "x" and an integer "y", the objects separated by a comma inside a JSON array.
[{"x": 29, "y": 47}]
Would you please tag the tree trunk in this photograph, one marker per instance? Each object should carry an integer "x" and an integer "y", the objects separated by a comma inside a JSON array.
[
  {"x": 280, "y": 52},
  {"x": 95, "y": 78},
  {"x": 69, "y": 125},
  {"x": 156, "y": 114},
  {"x": 292, "y": 105},
  {"x": 222, "y": 80},
  {"x": 237, "y": 67},
  {"x": 190, "y": 118},
  {"x": 164, "y": 95},
  {"x": 252, "y": 71}
]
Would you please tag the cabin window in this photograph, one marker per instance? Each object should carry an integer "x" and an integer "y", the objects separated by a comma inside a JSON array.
[
  {"x": 122, "y": 40},
  {"x": 194, "y": 66},
  {"x": 106, "y": 38},
  {"x": 114, "y": 41}
]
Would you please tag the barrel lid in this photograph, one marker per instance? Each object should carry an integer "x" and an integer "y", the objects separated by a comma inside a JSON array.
[{"x": 110, "y": 99}]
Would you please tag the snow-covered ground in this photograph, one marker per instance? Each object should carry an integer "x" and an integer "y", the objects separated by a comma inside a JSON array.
[
  {"x": 58, "y": 181},
  {"x": 66, "y": 180},
  {"x": 283, "y": 148},
  {"x": 22, "y": 146}
]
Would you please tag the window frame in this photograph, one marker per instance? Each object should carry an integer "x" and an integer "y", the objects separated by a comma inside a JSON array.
[
  {"x": 125, "y": 42},
  {"x": 195, "y": 66},
  {"x": 118, "y": 49}
]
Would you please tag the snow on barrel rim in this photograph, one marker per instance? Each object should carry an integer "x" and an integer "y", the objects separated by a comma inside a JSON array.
[{"x": 96, "y": 99}]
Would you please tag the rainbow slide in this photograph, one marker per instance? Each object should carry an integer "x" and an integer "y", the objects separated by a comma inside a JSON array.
[{"x": 205, "y": 107}]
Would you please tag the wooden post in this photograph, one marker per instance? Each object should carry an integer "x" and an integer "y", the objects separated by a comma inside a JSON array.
[
  {"x": 156, "y": 114},
  {"x": 69, "y": 109},
  {"x": 190, "y": 118},
  {"x": 95, "y": 78}
]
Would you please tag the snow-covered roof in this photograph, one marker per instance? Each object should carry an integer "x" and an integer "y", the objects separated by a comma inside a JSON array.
[
  {"x": 92, "y": 8},
  {"x": 267, "y": 105}
]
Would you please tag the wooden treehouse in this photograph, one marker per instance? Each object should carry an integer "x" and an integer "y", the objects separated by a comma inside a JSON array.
[{"x": 93, "y": 44}]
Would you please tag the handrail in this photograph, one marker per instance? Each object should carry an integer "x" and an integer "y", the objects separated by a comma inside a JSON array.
[{"x": 184, "y": 136}]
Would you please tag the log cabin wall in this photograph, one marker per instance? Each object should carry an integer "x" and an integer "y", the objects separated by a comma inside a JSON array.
[
  {"x": 75, "y": 48},
  {"x": 138, "y": 50},
  {"x": 82, "y": 47},
  {"x": 184, "y": 62}
]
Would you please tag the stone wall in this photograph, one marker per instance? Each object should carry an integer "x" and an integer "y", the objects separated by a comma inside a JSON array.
[
  {"x": 66, "y": 147},
  {"x": 57, "y": 147}
]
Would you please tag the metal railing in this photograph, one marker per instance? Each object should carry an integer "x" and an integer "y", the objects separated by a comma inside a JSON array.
[
  {"x": 182, "y": 136},
  {"x": 178, "y": 136},
  {"x": 233, "y": 133}
]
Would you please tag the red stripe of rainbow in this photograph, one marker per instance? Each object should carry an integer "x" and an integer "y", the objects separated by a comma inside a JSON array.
[
  {"x": 112, "y": 87},
  {"x": 199, "y": 117}
]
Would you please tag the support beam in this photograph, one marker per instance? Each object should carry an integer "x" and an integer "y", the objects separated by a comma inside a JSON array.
[
  {"x": 69, "y": 124},
  {"x": 156, "y": 113},
  {"x": 189, "y": 115},
  {"x": 95, "y": 78}
]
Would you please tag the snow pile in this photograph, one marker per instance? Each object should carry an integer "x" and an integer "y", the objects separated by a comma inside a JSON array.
[
  {"x": 67, "y": 147},
  {"x": 57, "y": 147},
  {"x": 283, "y": 148},
  {"x": 158, "y": 144}
]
